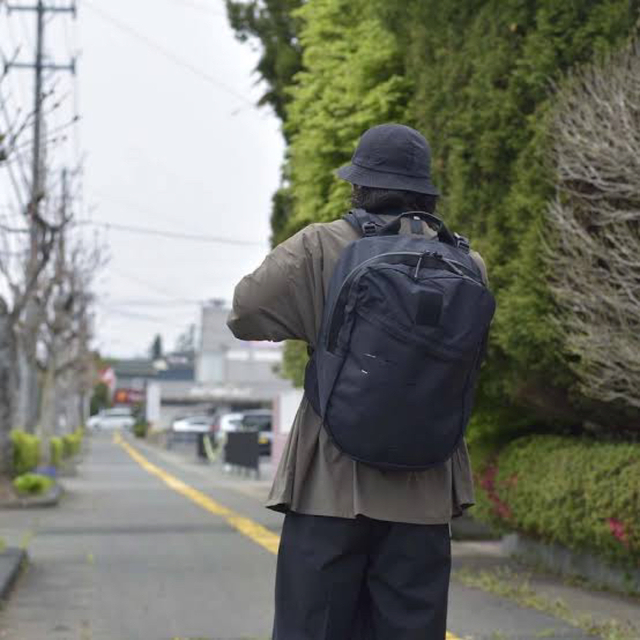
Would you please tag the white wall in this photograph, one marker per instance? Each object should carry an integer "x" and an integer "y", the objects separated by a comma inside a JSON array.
[
  {"x": 285, "y": 408},
  {"x": 152, "y": 404}
]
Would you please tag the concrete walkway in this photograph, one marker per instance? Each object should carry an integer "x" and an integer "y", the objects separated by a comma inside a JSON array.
[{"x": 137, "y": 554}]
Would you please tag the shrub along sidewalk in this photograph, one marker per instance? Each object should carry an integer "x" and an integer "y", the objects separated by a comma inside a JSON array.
[
  {"x": 29, "y": 486},
  {"x": 580, "y": 493}
]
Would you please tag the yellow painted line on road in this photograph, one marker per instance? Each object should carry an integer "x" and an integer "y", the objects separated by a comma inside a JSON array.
[{"x": 252, "y": 530}]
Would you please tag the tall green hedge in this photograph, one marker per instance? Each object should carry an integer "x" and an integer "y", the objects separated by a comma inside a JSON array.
[
  {"x": 483, "y": 74},
  {"x": 477, "y": 78},
  {"x": 578, "y": 492},
  {"x": 352, "y": 78}
]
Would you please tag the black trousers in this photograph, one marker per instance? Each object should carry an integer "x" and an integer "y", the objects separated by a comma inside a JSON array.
[{"x": 362, "y": 579}]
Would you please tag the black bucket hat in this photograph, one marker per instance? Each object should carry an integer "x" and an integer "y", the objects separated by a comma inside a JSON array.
[{"x": 391, "y": 156}]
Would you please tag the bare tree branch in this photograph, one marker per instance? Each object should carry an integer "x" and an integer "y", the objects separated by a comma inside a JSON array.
[{"x": 595, "y": 259}]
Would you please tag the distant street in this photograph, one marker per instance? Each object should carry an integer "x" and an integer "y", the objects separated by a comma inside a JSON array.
[{"x": 129, "y": 557}]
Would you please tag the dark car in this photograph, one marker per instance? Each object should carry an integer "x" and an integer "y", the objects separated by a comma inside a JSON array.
[{"x": 259, "y": 420}]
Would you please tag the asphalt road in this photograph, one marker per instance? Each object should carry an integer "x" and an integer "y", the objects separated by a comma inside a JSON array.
[{"x": 155, "y": 547}]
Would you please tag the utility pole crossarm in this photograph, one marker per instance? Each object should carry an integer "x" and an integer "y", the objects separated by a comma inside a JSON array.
[
  {"x": 32, "y": 65},
  {"x": 19, "y": 7}
]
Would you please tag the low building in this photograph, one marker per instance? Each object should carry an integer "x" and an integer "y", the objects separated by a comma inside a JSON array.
[
  {"x": 223, "y": 373},
  {"x": 232, "y": 370}
]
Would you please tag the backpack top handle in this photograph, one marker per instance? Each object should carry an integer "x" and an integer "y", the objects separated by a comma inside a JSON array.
[{"x": 444, "y": 235}]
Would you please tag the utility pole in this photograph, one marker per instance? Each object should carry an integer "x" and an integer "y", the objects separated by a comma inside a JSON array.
[
  {"x": 38, "y": 66},
  {"x": 33, "y": 308}
]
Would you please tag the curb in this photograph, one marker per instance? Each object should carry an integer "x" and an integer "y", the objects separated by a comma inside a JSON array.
[
  {"x": 559, "y": 559},
  {"x": 11, "y": 561},
  {"x": 466, "y": 527},
  {"x": 50, "y": 499}
]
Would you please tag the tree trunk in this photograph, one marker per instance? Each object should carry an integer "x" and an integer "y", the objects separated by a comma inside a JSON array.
[
  {"x": 27, "y": 406},
  {"x": 7, "y": 389},
  {"x": 47, "y": 424}
]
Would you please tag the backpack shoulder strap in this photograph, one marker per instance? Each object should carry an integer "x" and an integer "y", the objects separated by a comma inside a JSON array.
[
  {"x": 462, "y": 243},
  {"x": 368, "y": 224},
  {"x": 363, "y": 221}
]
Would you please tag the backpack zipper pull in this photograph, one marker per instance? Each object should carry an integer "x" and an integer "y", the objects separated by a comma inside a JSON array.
[{"x": 422, "y": 255}]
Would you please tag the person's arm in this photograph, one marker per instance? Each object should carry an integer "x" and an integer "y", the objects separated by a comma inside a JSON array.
[
  {"x": 279, "y": 300},
  {"x": 477, "y": 258}
]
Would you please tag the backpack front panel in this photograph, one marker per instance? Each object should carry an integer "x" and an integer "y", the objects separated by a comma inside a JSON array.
[{"x": 409, "y": 358}]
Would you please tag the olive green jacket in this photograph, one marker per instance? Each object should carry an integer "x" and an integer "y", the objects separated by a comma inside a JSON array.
[{"x": 284, "y": 299}]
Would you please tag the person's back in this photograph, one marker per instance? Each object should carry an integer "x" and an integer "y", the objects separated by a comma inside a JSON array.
[{"x": 364, "y": 551}]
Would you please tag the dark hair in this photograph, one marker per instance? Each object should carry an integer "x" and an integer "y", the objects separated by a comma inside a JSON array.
[{"x": 378, "y": 200}]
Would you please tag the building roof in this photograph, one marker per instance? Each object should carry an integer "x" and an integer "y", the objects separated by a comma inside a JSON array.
[
  {"x": 177, "y": 374},
  {"x": 170, "y": 369},
  {"x": 134, "y": 368}
]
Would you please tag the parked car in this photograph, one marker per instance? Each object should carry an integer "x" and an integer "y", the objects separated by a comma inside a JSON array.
[
  {"x": 249, "y": 420},
  {"x": 229, "y": 422},
  {"x": 194, "y": 424},
  {"x": 193, "y": 428},
  {"x": 260, "y": 420},
  {"x": 116, "y": 418}
]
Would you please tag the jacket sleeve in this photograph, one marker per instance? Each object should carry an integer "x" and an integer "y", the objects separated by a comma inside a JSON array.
[
  {"x": 477, "y": 258},
  {"x": 281, "y": 298}
]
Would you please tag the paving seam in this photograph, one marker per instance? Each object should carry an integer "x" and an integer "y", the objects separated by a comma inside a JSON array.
[{"x": 249, "y": 528}]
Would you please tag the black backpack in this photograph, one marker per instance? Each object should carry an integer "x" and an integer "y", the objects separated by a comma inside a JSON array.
[{"x": 403, "y": 335}]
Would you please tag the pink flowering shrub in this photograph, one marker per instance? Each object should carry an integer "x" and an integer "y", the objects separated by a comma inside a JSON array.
[{"x": 578, "y": 492}]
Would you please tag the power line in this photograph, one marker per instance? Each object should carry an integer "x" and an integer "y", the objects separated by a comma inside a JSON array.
[
  {"x": 134, "y": 206},
  {"x": 145, "y": 283},
  {"x": 156, "y": 303},
  {"x": 170, "y": 234},
  {"x": 200, "y": 7},
  {"x": 134, "y": 33},
  {"x": 110, "y": 310}
]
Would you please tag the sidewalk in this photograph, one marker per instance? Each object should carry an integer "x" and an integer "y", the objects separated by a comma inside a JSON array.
[{"x": 484, "y": 565}]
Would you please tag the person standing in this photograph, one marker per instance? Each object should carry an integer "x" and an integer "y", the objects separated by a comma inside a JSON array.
[{"x": 365, "y": 551}]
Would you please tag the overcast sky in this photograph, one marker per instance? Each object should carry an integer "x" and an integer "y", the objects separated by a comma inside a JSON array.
[{"x": 172, "y": 143}]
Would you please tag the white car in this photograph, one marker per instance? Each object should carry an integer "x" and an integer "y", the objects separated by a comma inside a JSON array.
[
  {"x": 230, "y": 422},
  {"x": 194, "y": 424},
  {"x": 116, "y": 418}
]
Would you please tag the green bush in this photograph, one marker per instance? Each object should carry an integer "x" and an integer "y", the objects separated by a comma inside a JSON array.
[
  {"x": 26, "y": 452},
  {"x": 101, "y": 398},
  {"x": 140, "y": 429},
  {"x": 71, "y": 443},
  {"x": 352, "y": 78},
  {"x": 32, "y": 484},
  {"x": 578, "y": 492},
  {"x": 56, "y": 451}
]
